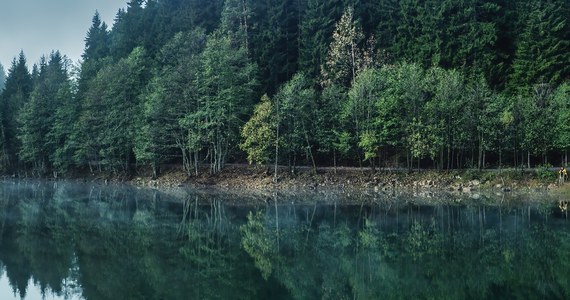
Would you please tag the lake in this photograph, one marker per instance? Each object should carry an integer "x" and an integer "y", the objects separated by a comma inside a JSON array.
[{"x": 65, "y": 240}]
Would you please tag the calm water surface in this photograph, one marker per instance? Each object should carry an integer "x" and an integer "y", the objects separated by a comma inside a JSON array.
[{"x": 80, "y": 241}]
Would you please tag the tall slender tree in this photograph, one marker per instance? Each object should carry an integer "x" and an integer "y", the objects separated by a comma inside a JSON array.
[
  {"x": 2, "y": 78},
  {"x": 16, "y": 93},
  {"x": 37, "y": 117}
]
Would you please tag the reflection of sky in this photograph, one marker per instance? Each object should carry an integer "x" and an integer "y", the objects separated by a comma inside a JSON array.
[{"x": 32, "y": 293}]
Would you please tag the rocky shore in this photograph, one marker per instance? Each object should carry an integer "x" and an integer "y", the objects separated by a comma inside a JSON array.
[{"x": 262, "y": 178}]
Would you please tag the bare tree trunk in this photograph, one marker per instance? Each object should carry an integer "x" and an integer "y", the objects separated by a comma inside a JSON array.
[
  {"x": 310, "y": 153},
  {"x": 334, "y": 160},
  {"x": 528, "y": 159},
  {"x": 196, "y": 158},
  {"x": 276, "y": 144}
]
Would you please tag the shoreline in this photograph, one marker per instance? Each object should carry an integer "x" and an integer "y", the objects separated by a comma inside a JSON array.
[
  {"x": 260, "y": 178},
  {"x": 253, "y": 185}
]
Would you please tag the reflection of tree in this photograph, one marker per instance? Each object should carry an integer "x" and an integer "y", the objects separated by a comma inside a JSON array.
[
  {"x": 116, "y": 243},
  {"x": 454, "y": 252},
  {"x": 259, "y": 243}
]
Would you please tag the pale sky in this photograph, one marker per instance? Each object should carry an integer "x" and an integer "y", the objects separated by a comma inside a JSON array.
[{"x": 39, "y": 26}]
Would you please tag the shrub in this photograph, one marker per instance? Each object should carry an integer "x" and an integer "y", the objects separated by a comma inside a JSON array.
[{"x": 545, "y": 173}]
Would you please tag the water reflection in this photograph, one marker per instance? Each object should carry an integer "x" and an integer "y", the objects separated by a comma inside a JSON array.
[{"x": 76, "y": 241}]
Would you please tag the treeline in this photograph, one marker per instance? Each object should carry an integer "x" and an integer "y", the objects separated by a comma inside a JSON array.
[{"x": 443, "y": 84}]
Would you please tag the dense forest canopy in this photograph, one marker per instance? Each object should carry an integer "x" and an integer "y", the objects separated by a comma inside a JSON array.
[{"x": 398, "y": 83}]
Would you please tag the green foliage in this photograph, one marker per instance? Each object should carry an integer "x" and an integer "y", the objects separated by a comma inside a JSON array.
[
  {"x": 111, "y": 113},
  {"x": 561, "y": 101},
  {"x": 227, "y": 81},
  {"x": 545, "y": 173},
  {"x": 17, "y": 89},
  {"x": 344, "y": 58},
  {"x": 258, "y": 133},
  {"x": 452, "y": 84},
  {"x": 541, "y": 52},
  {"x": 258, "y": 242},
  {"x": 170, "y": 96},
  {"x": 423, "y": 240},
  {"x": 296, "y": 103},
  {"x": 46, "y": 119}
]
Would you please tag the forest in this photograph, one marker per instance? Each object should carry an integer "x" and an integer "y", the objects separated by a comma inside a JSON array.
[{"x": 386, "y": 83}]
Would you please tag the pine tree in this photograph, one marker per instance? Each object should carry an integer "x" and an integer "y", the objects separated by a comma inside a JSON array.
[
  {"x": 418, "y": 35},
  {"x": 236, "y": 22},
  {"x": 97, "y": 40},
  {"x": 470, "y": 36},
  {"x": 128, "y": 30},
  {"x": 275, "y": 41},
  {"x": 542, "y": 54},
  {"x": 2, "y": 78},
  {"x": 37, "y": 117},
  {"x": 97, "y": 44},
  {"x": 316, "y": 28},
  {"x": 16, "y": 93}
]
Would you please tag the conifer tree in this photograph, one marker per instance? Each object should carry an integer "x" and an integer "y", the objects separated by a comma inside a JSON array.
[
  {"x": 37, "y": 117},
  {"x": 97, "y": 44},
  {"x": 316, "y": 28},
  {"x": 2, "y": 78},
  {"x": 15, "y": 94},
  {"x": 542, "y": 48}
]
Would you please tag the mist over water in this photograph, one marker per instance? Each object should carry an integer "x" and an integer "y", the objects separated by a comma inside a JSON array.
[{"x": 66, "y": 240}]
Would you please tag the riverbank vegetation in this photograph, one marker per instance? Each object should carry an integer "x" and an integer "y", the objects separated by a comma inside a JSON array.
[{"x": 299, "y": 83}]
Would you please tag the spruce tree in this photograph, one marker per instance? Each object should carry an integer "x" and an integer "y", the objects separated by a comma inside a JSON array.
[
  {"x": 16, "y": 93},
  {"x": 542, "y": 54},
  {"x": 316, "y": 27},
  {"x": 37, "y": 118},
  {"x": 2, "y": 78}
]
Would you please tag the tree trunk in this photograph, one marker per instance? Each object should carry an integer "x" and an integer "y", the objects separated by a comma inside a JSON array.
[
  {"x": 500, "y": 158},
  {"x": 196, "y": 157},
  {"x": 310, "y": 153},
  {"x": 528, "y": 159},
  {"x": 334, "y": 160},
  {"x": 480, "y": 156}
]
